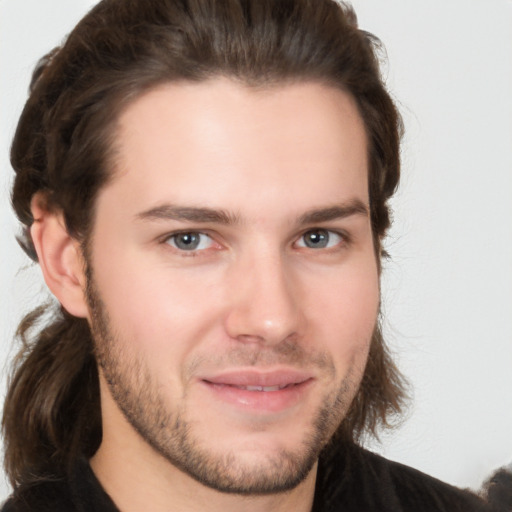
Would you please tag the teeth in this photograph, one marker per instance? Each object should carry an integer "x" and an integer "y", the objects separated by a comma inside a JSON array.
[{"x": 261, "y": 388}]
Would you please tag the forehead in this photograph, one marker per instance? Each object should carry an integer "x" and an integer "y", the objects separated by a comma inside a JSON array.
[{"x": 219, "y": 142}]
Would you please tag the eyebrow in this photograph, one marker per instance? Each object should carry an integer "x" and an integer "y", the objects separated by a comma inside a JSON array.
[
  {"x": 188, "y": 213},
  {"x": 353, "y": 207},
  {"x": 219, "y": 216}
]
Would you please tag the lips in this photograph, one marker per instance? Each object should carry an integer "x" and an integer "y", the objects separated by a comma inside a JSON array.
[
  {"x": 259, "y": 392},
  {"x": 260, "y": 380}
]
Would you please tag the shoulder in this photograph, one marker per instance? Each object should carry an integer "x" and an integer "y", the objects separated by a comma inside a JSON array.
[
  {"x": 420, "y": 492},
  {"x": 360, "y": 480},
  {"x": 44, "y": 496},
  {"x": 78, "y": 491}
]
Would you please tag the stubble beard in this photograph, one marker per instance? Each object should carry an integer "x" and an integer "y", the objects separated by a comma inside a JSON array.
[{"x": 171, "y": 433}]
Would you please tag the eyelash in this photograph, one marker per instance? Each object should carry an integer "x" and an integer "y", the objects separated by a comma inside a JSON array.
[
  {"x": 183, "y": 252},
  {"x": 343, "y": 236}
]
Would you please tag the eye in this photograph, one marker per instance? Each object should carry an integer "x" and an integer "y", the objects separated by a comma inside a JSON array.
[
  {"x": 319, "y": 239},
  {"x": 190, "y": 241}
]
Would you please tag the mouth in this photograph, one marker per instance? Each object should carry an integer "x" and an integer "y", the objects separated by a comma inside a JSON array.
[
  {"x": 260, "y": 392},
  {"x": 259, "y": 388}
]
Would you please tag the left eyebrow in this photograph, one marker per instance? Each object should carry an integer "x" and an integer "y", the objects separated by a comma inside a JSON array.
[{"x": 336, "y": 212}]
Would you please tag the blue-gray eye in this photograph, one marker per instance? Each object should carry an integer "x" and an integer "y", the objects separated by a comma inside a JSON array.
[
  {"x": 192, "y": 241},
  {"x": 319, "y": 239}
]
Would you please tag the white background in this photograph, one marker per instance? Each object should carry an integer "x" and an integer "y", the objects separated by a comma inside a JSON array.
[{"x": 448, "y": 288}]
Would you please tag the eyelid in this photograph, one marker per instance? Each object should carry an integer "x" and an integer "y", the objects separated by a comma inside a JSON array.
[
  {"x": 345, "y": 239},
  {"x": 183, "y": 231},
  {"x": 165, "y": 240},
  {"x": 342, "y": 234}
]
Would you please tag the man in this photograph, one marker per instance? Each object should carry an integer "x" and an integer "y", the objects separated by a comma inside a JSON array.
[{"x": 205, "y": 187}]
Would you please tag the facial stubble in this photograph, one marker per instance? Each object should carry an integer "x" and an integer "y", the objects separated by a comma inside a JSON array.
[{"x": 172, "y": 435}]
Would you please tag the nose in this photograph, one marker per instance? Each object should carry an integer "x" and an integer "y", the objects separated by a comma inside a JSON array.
[{"x": 265, "y": 305}]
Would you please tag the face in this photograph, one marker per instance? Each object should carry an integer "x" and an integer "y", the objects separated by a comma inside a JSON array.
[{"x": 233, "y": 285}]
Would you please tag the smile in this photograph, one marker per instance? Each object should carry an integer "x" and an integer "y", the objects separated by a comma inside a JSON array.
[
  {"x": 257, "y": 388},
  {"x": 263, "y": 388},
  {"x": 259, "y": 393}
]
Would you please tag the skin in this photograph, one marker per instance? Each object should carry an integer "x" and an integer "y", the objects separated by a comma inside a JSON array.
[{"x": 282, "y": 289}]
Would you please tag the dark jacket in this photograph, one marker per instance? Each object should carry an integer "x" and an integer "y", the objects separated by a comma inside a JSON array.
[{"x": 349, "y": 480}]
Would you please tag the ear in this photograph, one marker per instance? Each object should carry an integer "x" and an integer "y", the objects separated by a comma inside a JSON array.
[{"x": 60, "y": 257}]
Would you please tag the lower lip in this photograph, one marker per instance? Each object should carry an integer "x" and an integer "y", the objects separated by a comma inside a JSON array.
[{"x": 260, "y": 401}]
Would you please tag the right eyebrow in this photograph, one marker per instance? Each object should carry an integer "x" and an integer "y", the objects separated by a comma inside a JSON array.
[{"x": 188, "y": 213}]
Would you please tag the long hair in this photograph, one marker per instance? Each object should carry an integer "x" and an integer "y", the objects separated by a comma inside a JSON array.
[{"x": 63, "y": 149}]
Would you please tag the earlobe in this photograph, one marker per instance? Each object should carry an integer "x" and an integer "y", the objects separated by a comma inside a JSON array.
[{"x": 60, "y": 258}]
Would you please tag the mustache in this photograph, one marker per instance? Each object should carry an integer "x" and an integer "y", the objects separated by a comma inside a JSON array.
[{"x": 287, "y": 353}]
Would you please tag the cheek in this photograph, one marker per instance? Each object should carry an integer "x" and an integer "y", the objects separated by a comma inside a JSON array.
[
  {"x": 346, "y": 314},
  {"x": 154, "y": 308}
]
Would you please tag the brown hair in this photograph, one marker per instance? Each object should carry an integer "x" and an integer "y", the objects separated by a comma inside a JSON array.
[{"x": 61, "y": 149}]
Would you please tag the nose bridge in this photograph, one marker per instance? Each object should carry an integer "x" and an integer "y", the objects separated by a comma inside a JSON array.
[{"x": 265, "y": 306}]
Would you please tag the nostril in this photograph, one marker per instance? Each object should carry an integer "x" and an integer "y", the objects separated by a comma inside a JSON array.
[{"x": 250, "y": 338}]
